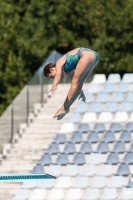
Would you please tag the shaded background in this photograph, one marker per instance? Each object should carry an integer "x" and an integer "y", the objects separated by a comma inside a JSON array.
[{"x": 30, "y": 30}]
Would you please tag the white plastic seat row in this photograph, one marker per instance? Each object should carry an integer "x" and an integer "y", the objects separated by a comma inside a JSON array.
[
  {"x": 106, "y": 117},
  {"x": 112, "y": 78},
  {"x": 115, "y": 78},
  {"x": 100, "y": 182},
  {"x": 109, "y": 88},
  {"x": 91, "y": 117},
  {"x": 89, "y": 170},
  {"x": 55, "y": 194},
  {"x": 66, "y": 182},
  {"x": 75, "y": 194}
]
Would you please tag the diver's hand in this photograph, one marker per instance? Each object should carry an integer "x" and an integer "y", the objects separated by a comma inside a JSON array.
[{"x": 53, "y": 88}]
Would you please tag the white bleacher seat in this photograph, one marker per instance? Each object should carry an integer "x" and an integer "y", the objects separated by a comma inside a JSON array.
[
  {"x": 95, "y": 158},
  {"x": 46, "y": 183},
  {"x": 88, "y": 170},
  {"x": 93, "y": 88},
  {"x": 67, "y": 127},
  {"x": 81, "y": 182},
  {"x": 131, "y": 117},
  {"x": 123, "y": 87},
  {"x": 71, "y": 170},
  {"x": 89, "y": 98},
  {"x": 129, "y": 97},
  {"x": 117, "y": 97},
  {"x": 114, "y": 78},
  {"x": 109, "y": 194},
  {"x": 74, "y": 194},
  {"x": 38, "y": 194},
  {"x": 99, "y": 182},
  {"x": 29, "y": 184},
  {"x": 99, "y": 79},
  {"x": 80, "y": 108},
  {"x": 63, "y": 182},
  {"x": 127, "y": 194},
  {"x": 56, "y": 194},
  {"x": 120, "y": 117},
  {"x": 105, "y": 170},
  {"x": 89, "y": 117},
  {"x": 108, "y": 88},
  {"x": 92, "y": 194},
  {"x": 55, "y": 170},
  {"x": 116, "y": 182},
  {"x": 105, "y": 117},
  {"x": 102, "y": 98},
  {"x": 127, "y": 78},
  {"x": 21, "y": 194}
]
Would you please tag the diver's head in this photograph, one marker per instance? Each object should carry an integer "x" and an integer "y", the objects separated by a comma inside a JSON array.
[{"x": 49, "y": 70}]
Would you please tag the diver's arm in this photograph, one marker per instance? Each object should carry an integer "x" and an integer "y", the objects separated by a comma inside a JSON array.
[{"x": 59, "y": 70}]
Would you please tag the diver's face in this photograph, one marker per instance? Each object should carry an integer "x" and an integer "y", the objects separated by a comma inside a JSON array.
[{"x": 52, "y": 73}]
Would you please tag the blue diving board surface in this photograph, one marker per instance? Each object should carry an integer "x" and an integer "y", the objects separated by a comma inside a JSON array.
[{"x": 25, "y": 176}]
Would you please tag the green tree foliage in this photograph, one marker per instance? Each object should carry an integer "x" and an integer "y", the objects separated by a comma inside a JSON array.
[{"x": 31, "y": 29}]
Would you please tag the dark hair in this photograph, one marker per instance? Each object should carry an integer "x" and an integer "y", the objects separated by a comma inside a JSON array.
[{"x": 47, "y": 67}]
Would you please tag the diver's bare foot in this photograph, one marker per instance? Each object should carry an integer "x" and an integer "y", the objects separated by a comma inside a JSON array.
[{"x": 61, "y": 113}]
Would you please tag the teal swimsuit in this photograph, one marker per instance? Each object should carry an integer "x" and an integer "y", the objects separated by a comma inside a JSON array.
[{"x": 72, "y": 60}]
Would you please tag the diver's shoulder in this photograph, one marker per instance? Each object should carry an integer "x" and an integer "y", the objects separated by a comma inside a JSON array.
[{"x": 61, "y": 61}]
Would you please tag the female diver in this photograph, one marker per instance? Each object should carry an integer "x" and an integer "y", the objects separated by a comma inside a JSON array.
[{"x": 78, "y": 65}]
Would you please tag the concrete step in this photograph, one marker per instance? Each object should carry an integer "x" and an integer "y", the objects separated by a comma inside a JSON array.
[
  {"x": 41, "y": 126},
  {"x": 42, "y": 130}
]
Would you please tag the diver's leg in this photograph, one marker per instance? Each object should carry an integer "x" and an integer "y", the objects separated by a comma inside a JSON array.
[{"x": 78, "y": 93}]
